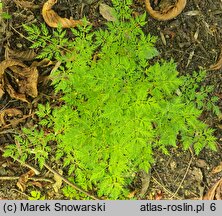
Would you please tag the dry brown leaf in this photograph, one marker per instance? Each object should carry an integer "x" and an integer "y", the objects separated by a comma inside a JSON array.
[
  {"x": 218, "y": 194},
  {"x": 23, "y": 179},
  {"x": 9, "y": 63},
  {"x": 215, "y": 192},
  {"x": 132, "y": 194},
  {"x": 169, "y": 13},
  {"x": 4, "y": 65},
  {"x": 26, "y": 55},
  {"x": 26, "y": 80},
  {"x": 13, "y": 93},
  {"x": 217, "y": 169},
  {"x": 10, "y": 112},
  {"x": 107, "y": 12},
  {"x": 28, "y": 85},
  {"x": 2, "y": 92},
  {"x": 43, "y": 63},
  {"x": 37, "y": 184},
  {"x": 26, "y": 4},
  {"x": 58, "y": 181},
  {"x": 159, "y": 195},
  {"x": 218, "y": 65},
  {"x": 54, "y": 20}
]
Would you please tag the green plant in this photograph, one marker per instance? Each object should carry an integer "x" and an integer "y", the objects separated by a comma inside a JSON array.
[
  {"x": 36, "y": 195},
  {"x": 116, "y": 109},
  {"x": 4, "y": 15}
]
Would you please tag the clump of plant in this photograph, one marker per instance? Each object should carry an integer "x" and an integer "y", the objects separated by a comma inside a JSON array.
[{"x": 116, "y": 108}]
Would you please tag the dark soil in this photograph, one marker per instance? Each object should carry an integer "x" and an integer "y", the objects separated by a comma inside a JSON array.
[{"x": 193, "y": 40}]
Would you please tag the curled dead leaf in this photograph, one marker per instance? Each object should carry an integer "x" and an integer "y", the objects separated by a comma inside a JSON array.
[
  {"x": 9, "y": 113},
  {"x": 169, "y": 13},
  {"x": 107, "y": 12},
  {"x": 215, "y": 192},
  {"x": 3, "y": 66},
  {"x": 218, "y": 65},
  {"x": 9, "y": 63},
  {"x": 23, "y": 179},
  {"x": 25, "y": 78},
  {"x": 13, "y": 94},
  {"x": 28, "y": 85},
  {"x": 54, "y": 20}
]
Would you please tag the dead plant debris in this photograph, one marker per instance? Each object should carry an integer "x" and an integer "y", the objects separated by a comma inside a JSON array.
[{"x": 54, "y": 20}]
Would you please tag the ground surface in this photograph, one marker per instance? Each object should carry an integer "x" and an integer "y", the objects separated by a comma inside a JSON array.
[{"x": 193, "y": 40}]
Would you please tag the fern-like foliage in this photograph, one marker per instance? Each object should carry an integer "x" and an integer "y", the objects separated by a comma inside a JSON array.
[{"x": 117, "y": 108}]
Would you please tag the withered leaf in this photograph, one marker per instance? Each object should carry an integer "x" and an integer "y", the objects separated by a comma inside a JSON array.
[
  {"x": 26, "y": 80},
  {"x": 4, "y": 65},
  {"x": 37, "y": 184},
  {"x": 107, "y": 12},
  {"x": 54, "y": 20},
  {"x": 58, "y": 181},
  {"x": 217, "y": 169},
  {"x": 28, "y": 85},
  {"x": 215, "y": 192},
  {"x": 2, "y": 92},
  {"x": 13, "y": 93},
  {"x": 10, "y": 112},
  {"x": 26, "y": 4},
  {"x": 43, "y": 63},
  {"x": 218, "y": 65},
  {"x": 169, "y": 13},
  {"x": 23, "y": 179},
  {"x": 9, "y": 63},
  {"x": 26, "y": 55}
]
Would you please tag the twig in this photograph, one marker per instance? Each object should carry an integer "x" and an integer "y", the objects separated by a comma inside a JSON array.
[
  {"x": 185, "y": 175},
  {"x": 20, "y": 192},
  {"x": 11, "y": 178},
  {"x": 30, "y": 167},
  {"x": 165, "y": 189},
  {"x": 70, "y": 183},
  {"x": 24, "y": 164},
  {"x": 7, "y": 131}
]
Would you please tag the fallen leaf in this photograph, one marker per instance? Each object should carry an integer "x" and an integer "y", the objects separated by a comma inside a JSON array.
[
  {"x": 107, "y": 12},
  {"x": 218, "y": 65},
  {"x": 24, "y": 77},
  {"x": 159, "y": 195},
  {"x": 26, "y": 4},
  {"x": 26, "y": 55},
  {"x": 54, "y": 20},
  {"x": 169, "y": 13},
  {"x": 13, "y": 94},
  {"x": 43, "y": 63},
  {"x": 132, "y": 194},
  {"x": 10, "y": 112},
  {"x": 28, "y": 85},
  {"x": 3, "y": 65},
  {"x": 23, "y": 179},
  {"x": 145, "y": 182},
  {"x": 2, "y": 92},
  {"x": 215, "y": 192},
  {"x": 217, "y": 169},
  {"x": 9, "y": 63},
  {"x": 58, "y": 181},
  {"x": 37, "y": 184}
]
